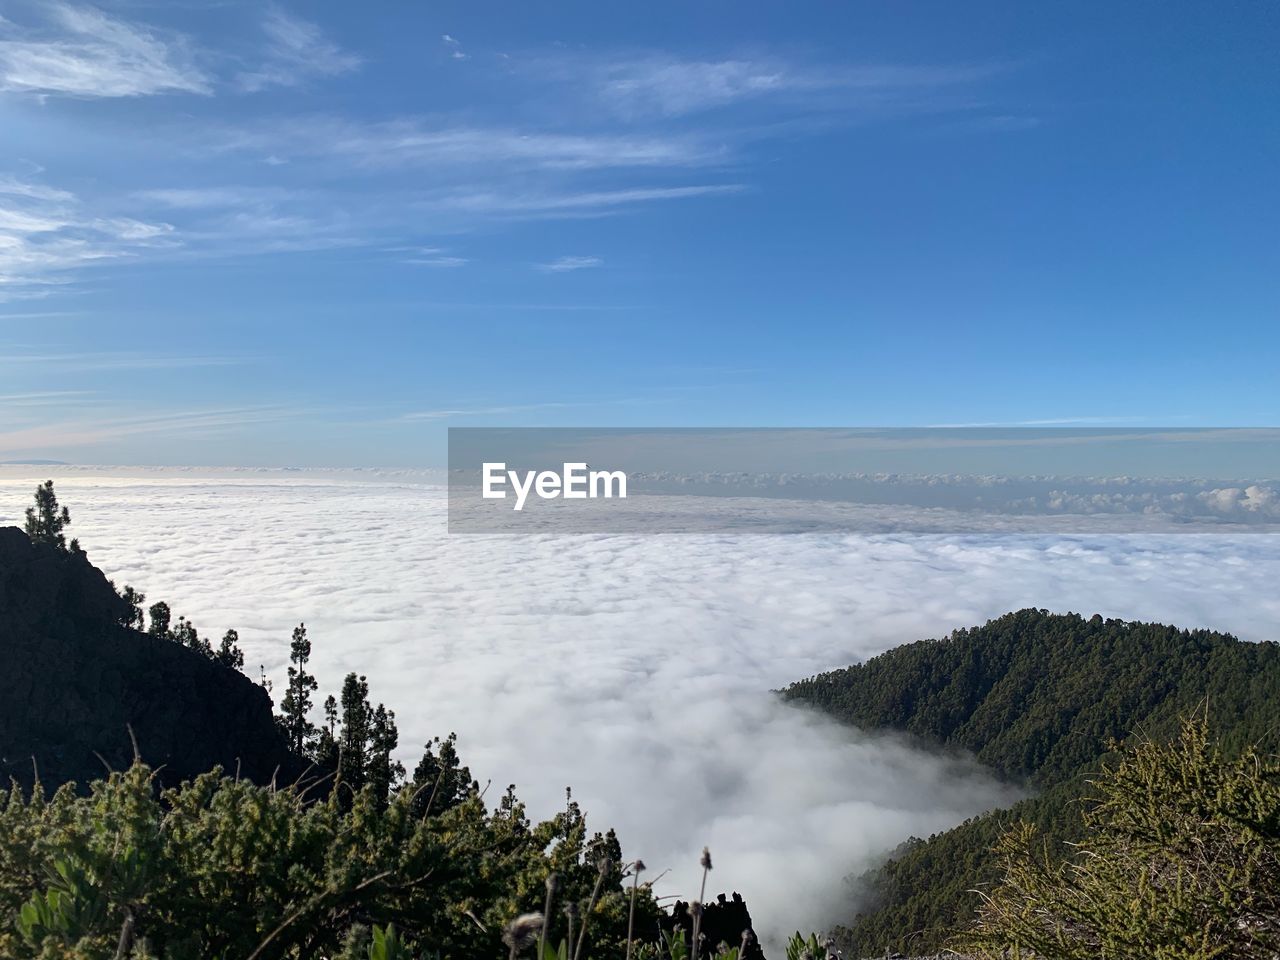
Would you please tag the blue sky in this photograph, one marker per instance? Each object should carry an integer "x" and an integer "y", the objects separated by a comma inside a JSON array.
[{"x": 316, "y": 234}]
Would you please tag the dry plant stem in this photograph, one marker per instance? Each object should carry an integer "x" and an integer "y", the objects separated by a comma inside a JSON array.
[
  {"x": 702, "y": 900},
  {"x": 546, "y": 915},
  {"x": 636, "y": 869},
  {"x": 591, "y": 905}
]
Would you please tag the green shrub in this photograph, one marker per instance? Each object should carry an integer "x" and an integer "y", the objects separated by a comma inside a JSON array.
[
  {"x": 221, "y": 868},
  {"x": 1180, "y": 861}
]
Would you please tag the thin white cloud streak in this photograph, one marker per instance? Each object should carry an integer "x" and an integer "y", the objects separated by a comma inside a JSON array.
[
  {"x": 442, "y": 262},
  {"x": 298, "y": 52},
  {"x": 674, "y": 87},
  {"x": 82, "y": 52},
  {"x": 237, "y": 220},
  {"x": 46, "y": 234},
  {"x": 570, "y": 264},
  {"x": 38, "y": 314},
  {"x": 412, "y": 141},
  {"x": 34, "y": 191},
  {"x": 560, "y": 204},
  {"x": 1054, "y": 422},
  {"x": 655, "y": 85},
  {"x": 634, "y": 668},
  {"x": 53, "y": 436},
  {"x": 45, "y": 231},
  {"x": 116, "y": 361},
  {"x": 42, "y": 398},
  {"x": 205, "y": 198},
  {"x": 453, "y": 413}
]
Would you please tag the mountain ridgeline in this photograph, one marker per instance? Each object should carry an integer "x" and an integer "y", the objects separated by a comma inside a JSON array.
[
  {"x": 77, "y": 683},
  {"x": 1039, "y": 698}
]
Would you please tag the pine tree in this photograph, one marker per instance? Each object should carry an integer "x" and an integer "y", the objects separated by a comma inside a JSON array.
[
  {"x": 135, "y": 601},
  {"x": 45, "y": 521},
  {"x": 384, "y": 773},
  {"x": 229, "y": 653},
  {"x": 160, "y": 616},
  {"x": 441, "y": 782},
  {"x": 353, "y": 764},
  {"x": 295, "y": 708},
  {"x": 186, "y": 634},
  {"x": 327, "y": 742}
]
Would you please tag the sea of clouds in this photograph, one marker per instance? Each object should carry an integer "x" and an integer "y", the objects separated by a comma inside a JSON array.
[{"x": 635, "y": 668}]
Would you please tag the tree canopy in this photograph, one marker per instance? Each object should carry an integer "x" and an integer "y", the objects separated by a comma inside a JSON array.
[{"x": 46, "y": 520}]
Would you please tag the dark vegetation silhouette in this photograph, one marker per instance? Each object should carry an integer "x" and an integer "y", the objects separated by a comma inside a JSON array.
[{"x": 46, "y": 519}]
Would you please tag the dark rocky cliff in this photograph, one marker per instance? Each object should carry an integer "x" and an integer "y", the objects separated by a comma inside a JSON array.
[
  {"x": 724, "y": 921},
  {"x": 73, "y": 682}
]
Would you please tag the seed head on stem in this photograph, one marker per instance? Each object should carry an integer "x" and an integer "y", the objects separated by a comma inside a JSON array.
[
  {"x": 521, "y": 932},
  {"x": 637, "y": 868}
]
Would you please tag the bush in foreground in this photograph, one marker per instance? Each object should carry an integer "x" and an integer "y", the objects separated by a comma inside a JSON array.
[
  {"x": 222, "y": 868},
  {"x": 1180, "y": 861}
]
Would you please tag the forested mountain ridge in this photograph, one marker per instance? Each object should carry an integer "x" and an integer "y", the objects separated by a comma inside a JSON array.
[
  {"x": 1037, "y": 697},
  {"x": 74, "y": 680}
]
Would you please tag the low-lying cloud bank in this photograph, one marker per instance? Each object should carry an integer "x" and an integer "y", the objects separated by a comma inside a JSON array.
[{"x": 635, "y": 669}]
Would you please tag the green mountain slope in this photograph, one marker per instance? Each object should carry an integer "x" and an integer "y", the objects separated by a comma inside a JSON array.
[{"x": 1037, "y": 697}]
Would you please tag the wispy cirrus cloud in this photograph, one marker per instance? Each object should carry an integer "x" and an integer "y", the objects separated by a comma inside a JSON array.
[
  {"x": 204, "y": 198},
  {"x": 88, "y": 431},
  {"x": 570, "y": 264},
  {"x": 419, "y": 256},
  {"x": 110, "y": 361},
  {"x": 41, "y": 398},
  {"x": 570, "y": 203},
  {"x": 433, "y": 260},
  {"x": 297, "y": 51},
  {"x": 79, "y": 51},
  {"x": 33, "y": 191},
  {"x": 418, "y": 142},
  {"x": 503, "y": 410},
  {"x": 45, "y": 233},
  {"x": 453, "y": 413},
  {"x": 673, "y": 87},
  {"x": 656, "y": 86},
  {"x": 238, "y": 220}
]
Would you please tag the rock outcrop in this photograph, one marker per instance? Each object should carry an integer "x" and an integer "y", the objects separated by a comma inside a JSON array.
[
  {"x": 74, "y": 683},
  {"x": 724, "y": 920}
]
